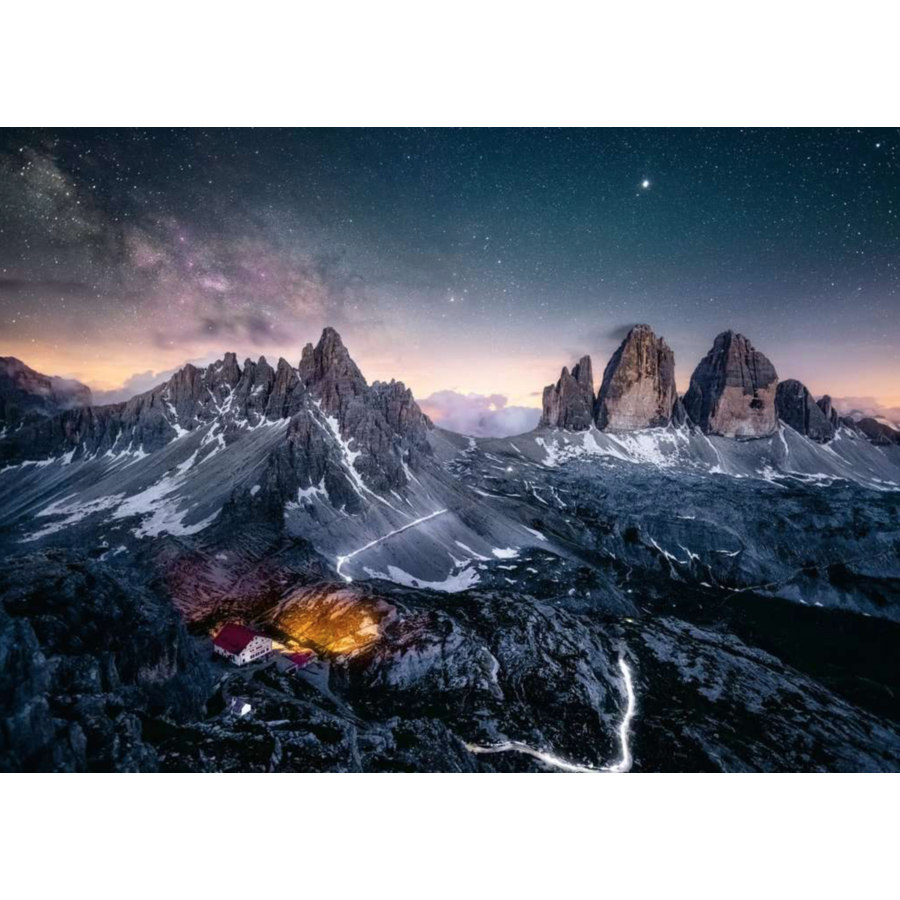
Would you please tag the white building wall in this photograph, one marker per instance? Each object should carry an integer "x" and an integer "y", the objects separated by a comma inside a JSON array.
[{"x": 257, "y": 649}]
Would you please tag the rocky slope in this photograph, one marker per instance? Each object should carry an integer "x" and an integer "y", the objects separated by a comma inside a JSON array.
[
  {"x": 299, "y": 429},
  {"x": 569, "y": 403},
  {"x": 878, "y": 433},
  {"x": 100, "y": 677},
  {"x": 26, "y": 394},
  {"x": 732, "y": 390},
  {"x": 638, "y": 389},
  {"x": 359, "y": 473},
  {"x": 83, "y": 659}
]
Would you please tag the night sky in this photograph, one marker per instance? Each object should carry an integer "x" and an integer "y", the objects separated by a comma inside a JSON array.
[{"x": 474, "y": 261}]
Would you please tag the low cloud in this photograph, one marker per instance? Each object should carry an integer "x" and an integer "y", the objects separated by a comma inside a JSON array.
[
  {"x": 618, "y": 332},
  {"x": 866, "y": 406},
  {"x": 598, "y": 342},
  {"x": 479, "y": 415},
  {"x": 134, "y": 385}
]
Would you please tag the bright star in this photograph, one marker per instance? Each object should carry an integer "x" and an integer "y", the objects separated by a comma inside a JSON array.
[{"x": 645, "y": 184}]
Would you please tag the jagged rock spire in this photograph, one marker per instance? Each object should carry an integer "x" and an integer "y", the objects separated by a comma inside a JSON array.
[
  {"x": 732, "y": 391},
  {"x": 230, "y": 371},
  {"x": 330, "y": 374},
  {"x": 381, "y": 426},
  {"x": 825, "y": 404},
  {"x": 638, "y": 389},
  {"x": 570, "y": 402},
  {"x": 797, "y": 408}
]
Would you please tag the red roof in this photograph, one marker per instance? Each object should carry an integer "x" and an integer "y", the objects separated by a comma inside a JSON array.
[
  {"x": 301, "y": 659},
  {"x": 234, "y": 638}
]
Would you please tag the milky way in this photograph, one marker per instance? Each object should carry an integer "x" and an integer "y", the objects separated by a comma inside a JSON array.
[{"x": 473, "y": 261}]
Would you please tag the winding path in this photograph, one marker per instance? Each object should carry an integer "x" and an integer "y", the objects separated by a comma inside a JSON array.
[
  {"x": 623, "y": 765},
  {"x": 341, "y": 560}
]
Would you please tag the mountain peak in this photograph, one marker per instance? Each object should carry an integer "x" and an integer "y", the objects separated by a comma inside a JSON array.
[
  {"x": 796, "y": 407},
  {"x": 231, "y": 371},
  {"x": 732, "y": 390},
  {"x": 827, "y": 406},
  {"x": 330, "y": 335},
  {"x": 638, "y": 389},
  {"x": 330, "y": 373},
  {"x": 569, "y": 403}
]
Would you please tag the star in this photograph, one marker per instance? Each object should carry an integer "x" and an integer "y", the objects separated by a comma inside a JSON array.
[{"x": 645, "y": 184}]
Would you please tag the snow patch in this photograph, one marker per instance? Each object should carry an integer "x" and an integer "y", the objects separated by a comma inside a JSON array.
[
  {"x": 73, "y": 513},
  {"x": 313, "y": 492},
  {"x": 452, "y": 584},
  {"x": 470, "y": 551},
  {"x": 505, "y": 553},
  {"x": 349, "y": 458}
]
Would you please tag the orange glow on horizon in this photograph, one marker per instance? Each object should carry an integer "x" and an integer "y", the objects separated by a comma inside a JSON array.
[{"x": 426, "y": 368}]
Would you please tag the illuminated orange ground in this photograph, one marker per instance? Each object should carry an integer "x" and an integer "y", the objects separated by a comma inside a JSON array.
[{"x": 331, "y": 622}]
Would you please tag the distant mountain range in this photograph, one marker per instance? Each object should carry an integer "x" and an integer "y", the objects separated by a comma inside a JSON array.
[
  {"x": 734, "y": 392},
  {"x": 315, "y": 446}
]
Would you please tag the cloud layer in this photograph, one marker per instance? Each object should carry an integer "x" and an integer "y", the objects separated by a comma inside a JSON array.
[
  {"x": 867, "y": 406},
  {"x": 138, "y": 383},
  {"x": 479, "y": 415}
]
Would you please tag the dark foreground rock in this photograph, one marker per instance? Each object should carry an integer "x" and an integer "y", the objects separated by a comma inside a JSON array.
[
  {"x": 99, "y": 676},
  {"x": 84, "y": 658},
  {"x": 718, "y": 687}
]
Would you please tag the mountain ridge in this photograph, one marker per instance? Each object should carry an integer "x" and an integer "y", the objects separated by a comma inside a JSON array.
[
  {"x": 26, "y": 393},
  {"x": 314, "y": 450}
]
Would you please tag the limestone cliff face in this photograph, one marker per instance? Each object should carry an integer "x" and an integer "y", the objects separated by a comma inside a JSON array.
[
  {"x": 824, "y": 403},
  {"x": 732, "y": 391},
  {"x": 569, "y": 403},
  {"x": 330, "y": 374},
  {"x": 638, "y": 389},
  {"x": 797, "y": 408}
]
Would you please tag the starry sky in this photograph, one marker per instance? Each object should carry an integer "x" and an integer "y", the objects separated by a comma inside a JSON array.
[{"x": 471, "y": 264}]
